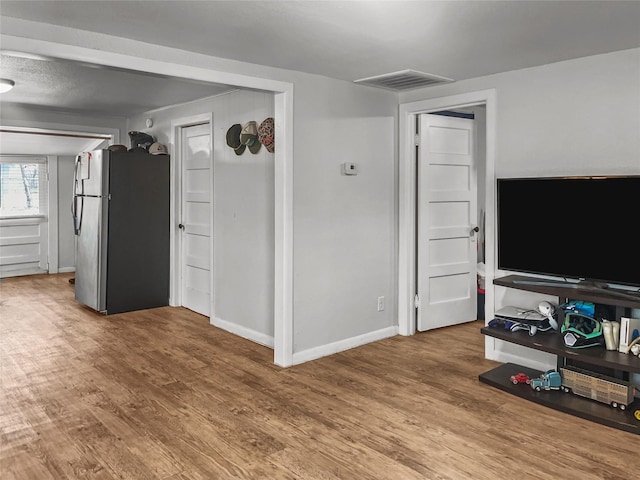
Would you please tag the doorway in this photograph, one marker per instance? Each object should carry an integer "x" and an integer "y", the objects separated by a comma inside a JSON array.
[
  {"x": 408, "y": 190},
  {"x": 35, "y": 221}
]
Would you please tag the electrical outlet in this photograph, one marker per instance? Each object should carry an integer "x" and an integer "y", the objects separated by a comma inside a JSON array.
[{"x": 380, "y": 304}]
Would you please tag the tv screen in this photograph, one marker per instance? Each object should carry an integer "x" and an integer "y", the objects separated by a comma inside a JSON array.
[{"x": 571, "y": 227}]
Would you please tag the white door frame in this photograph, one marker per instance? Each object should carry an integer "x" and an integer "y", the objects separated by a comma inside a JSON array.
[
  {"x": 283, "y": 161},
  {"x": 53, "y": 213},
  {"x": 175, "y": 270},
  {"x": 407, "y": 176}
]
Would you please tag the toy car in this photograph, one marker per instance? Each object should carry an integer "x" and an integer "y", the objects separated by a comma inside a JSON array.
[
  {"x": 520, "y": 378},
  {"x": 549, "y": 380}
]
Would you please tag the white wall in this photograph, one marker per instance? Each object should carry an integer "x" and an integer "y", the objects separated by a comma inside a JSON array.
[
  {"x": 575, "y": 117},
  {"x": 344, "y": 230},
  {"x": 243, "y": 217},
  {"x": 66, "y": 237},
  {"x": 578, "y": 117}
]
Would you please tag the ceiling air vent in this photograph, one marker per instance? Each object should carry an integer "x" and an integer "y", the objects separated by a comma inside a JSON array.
[{"x": 404, "y": 80}]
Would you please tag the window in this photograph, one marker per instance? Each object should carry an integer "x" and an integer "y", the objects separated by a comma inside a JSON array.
[{"x": 22, "y": 186}]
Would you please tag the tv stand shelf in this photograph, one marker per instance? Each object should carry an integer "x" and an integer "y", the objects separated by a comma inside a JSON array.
[
  {"x": 575, "y": 291},
  {"x": 551, "y": 342},
  {"x": 558, "y": 400}
]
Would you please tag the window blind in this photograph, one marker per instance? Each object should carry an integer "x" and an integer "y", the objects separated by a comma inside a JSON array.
[{"x": 23, "y": 186}]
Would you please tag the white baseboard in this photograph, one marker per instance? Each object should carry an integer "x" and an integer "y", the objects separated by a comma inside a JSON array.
[
  {"x": 342, "y": 345},
  {"x": 66, "y": 269},
  {"x": 244, "y": 332},
  {"x": 21, "y": 272}
]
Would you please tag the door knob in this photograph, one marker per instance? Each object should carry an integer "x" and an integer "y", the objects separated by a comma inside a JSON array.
[
  {"x": 181, "y": 226},
  {"x": 476, "y": 229}
]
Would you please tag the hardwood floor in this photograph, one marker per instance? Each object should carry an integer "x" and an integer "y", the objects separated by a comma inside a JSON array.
[{"x": 161, "y": 394}]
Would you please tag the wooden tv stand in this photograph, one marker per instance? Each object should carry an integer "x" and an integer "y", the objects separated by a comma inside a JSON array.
[{"x": 551, "y": 342}]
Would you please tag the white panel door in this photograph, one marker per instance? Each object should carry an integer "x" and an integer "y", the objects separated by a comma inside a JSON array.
[
  {"x": 196, "y": 238},
  {"x": 447, "y": 217}
]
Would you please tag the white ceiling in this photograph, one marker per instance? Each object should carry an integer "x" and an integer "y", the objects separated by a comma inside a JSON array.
[
  {"x": 342, "y": 39},
  {"x": 356, "y": 39}
]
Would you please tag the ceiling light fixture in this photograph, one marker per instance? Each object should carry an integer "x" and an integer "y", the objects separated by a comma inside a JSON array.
[{"x": 6, "y": 85}]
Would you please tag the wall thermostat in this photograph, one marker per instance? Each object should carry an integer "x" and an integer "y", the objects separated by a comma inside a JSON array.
[{"x": 349, "y": 168}]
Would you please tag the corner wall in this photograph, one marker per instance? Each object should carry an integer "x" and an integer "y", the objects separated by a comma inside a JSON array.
[
  {"x": 344, "y": 229},
  {"x": 243, "y": 211}
]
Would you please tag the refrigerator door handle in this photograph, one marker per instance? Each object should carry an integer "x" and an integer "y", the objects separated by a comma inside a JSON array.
[
  {"x": 75, "y": 175},
  {"x": 77, "y": 219},
  {"x": 76, "y": 213},
  {"x": 74, "y": 209}
]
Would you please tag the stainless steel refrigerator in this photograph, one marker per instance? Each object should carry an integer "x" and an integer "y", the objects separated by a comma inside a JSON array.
[{"x": 121, "y": 220}]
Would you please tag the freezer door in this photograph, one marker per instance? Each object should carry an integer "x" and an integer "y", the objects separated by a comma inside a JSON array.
[
  {"x": 91, "y": 173},
  {"x": 91, "y": 254},
  {"x": 90, "y": 179}
]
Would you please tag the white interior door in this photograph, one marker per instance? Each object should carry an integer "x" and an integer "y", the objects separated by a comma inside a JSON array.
[
  {"x": 447, "y": 217},
  {"x": 196, "y": 218}
]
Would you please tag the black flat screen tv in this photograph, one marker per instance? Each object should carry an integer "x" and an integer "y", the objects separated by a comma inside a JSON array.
[{"x": 581, "y": 228}]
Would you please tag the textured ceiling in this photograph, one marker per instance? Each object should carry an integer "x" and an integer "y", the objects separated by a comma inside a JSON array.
[
  {"x": 80, "y": 87},
  {"x": 357, "y": 39},
  {"x": 72, "y": 87}
]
